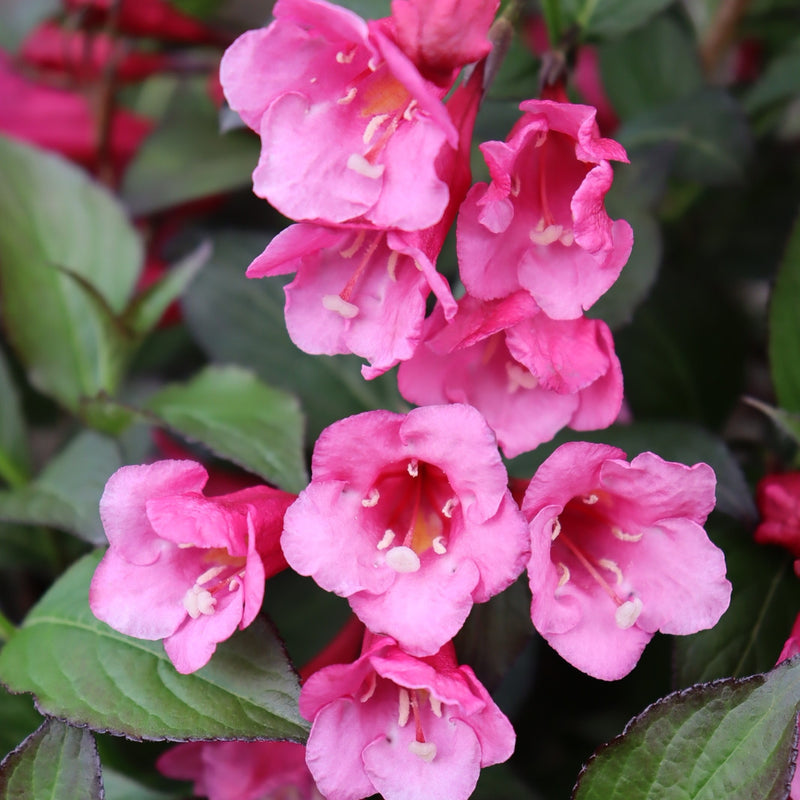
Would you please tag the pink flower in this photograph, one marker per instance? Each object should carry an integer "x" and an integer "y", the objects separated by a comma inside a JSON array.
[
  {"x": 350, "y": 130},
  {"x": 541, "y": 224},
  {"x": 410, "y": 518},
  {"x": 361, "y": 290},
  {"x": 778, "y": 500},
  {"x": 441, "y": 36},
  {"x": 417, "y": 729},
  {"x": 527, "y": 374},
  {"x": 184, "y": 567},
  {"x": 618, "y": 552},
  {"x": 241, "y": 770}
]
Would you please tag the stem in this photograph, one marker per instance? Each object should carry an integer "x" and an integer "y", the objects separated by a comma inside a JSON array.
[
  {"x": 107, "y": 100},
  {"x": 7, "y": 628},
  {"x": 586, "y": 14},
  {"x": 721, "y": 32},
  {"x": 551, "y": 10}
]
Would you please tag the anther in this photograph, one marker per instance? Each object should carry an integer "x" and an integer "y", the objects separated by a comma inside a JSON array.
[
  {"x": 349, "y": 97},
  {"x": 436, "y": 706},
  {"x": 403, "y": 559},
  {"x": 413, "y": 468},
  {"x": 345, "y": 58},
  {"x": 546, "y": 236},
  {"x": 405, "y": 707},
  {"x": 209, "y": 574},
  {"x": 359, "y": 164},
  {"x": 233, "y": 585},
  {"x": 391, "y": 266},
  {"x": 425, "y": 750},
  {"x": 541, "y": 138},
  {"x": 611, "y": 566},
  {"x": 449, "y": 506},
  {"x": 515, "y": 185},
  {"x": 567, "y": 238},
  {"x": 565, "y": 575},
  {"x": 519, "y": 377},
  {"x": 408, "y": 112},
  {"x": 590, "y": 499},
  {"x": 626, "y": 614},
  {"x": 333, "y": 302},
  {"x": 199, "y": 601},
  {"x": 372, "y": 127},
  {"x": 185, "y": 545},
  {"x": 371, "y": 686},
  {"x": 625, "y": 537},
  {"x": 371, "y": 499},
  {"x": 439, "y": 546},
  {"x": 555, "y": 529},
  {"x": 349, "y": 252},
  {"x": 388, "y": 538}
]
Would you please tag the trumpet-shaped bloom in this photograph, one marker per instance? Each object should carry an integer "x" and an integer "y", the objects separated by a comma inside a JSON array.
[
  {"x": 183, "y": 567},
  {"x": 349, "y": 128},
  {"x": 618, "y": 552},
  {"x": 527, "y": 374},
  {"x": 541, "y": 224},
  {"x": 242, "y": 770},
  {"x": 417, "y": 729},
  {"x": 778, "y": 499},
  {"x": 410, "y": 518}
]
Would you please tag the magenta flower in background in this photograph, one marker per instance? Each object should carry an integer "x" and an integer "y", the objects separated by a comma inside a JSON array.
[
  {"x": 778, "y": 500},
  {"x": 343, "y": 114},
  {"x": 529, "y": 375},
  {"x": 241, "y": 770},
  {"x": 618, "y": 552},
  {"x": 541, "y": 223},
  {"x": 183, "y": 567},
  {"x": 417, "y": 729},
  {"x": 410, "y": 518}
]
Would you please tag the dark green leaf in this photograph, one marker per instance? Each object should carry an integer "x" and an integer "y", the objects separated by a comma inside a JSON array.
[
  {"x": 186, "y": 158},
  {"x": 64, "y": 244},
  {"x": 57, "y": 761},
  {"x": 786, "y": 421},
  {"x": 500, "y": 783},
  {"x": 250, "y": 330},
  {"x": 111, "y": 682},
  {"x": 784, "y": 326},
  {"x": 780, "y": 81},
  {"x": 20, "y": 719},
  {"x": 673, "y": 441},
  {"x": 751, "y": 633},
  {"x": 238, "y": 417},
  {"x": 66, "y": 494},
  {"x": 730, "y": 739},
  {"x": 707, "y": 132},
  {"x": 609, "y": 18},
  {"x": 653, "y": 66},
  {"x": 15, "y": 461}
]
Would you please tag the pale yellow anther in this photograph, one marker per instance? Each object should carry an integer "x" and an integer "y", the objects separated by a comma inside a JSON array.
[
  {"x": 425, "y": 750},
  {"x": 436, "y": 706},
  {"x": 555, "y": 529},
  {"x": 371, "y": 686},
  {"x": 199, "y": 601},
  {"x": 449, "y": 507},
  {"x": 185, "y": 545},
  {"x": 438, "y": 546},
  {"x": 547, "y": 236},
  {"x": 519, "y": 377},
  {"x": 618, "y": 533},
  {"x": 371, "y": 499},
  {"x": 345, "y": 58},
  {"x": 408, "y": 112},
  {"x": 402, "y": 559},
  {"x": 360, "y": 165},
  {"x": 541, "y": 138},
  {"x": 515, "y": 185},
  {"x": 611, "y": 566},
  {"x": 349, "y": 252},
  {"x": 565, "y": 575},
  {"x": 626, "y": 615},
  {"x": 405, "y": 707},
  {"x": 567, "y": 238},
  {"x": 372, "y": 127},
  {"x": 391, "y": 266},
  {"x": 388, "y": 538},
  {"x": 233, "y": 585},
  {"x": 333, "y": 302},
  {"x": 413, "y": 468},
  {"x": 590, "y": 499},
  {"x": 348, "y": 97}
]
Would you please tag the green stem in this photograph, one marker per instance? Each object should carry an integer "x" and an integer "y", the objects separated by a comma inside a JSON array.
[
  {"x": 7, "y": 628},
  {"x": 552, "y": 19},
  {"x": 586, "y": 14}
]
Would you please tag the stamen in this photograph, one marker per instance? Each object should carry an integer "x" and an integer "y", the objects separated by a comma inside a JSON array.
[
  {"x": 436, "y": 706},
  {"x": 391, "y": 266},
  {"x": 371, "y": 499},
  {"x": 405, "y": 708},
  {"x": 349, "y": 252},
  {"x": 449, "y": 506},
  {"x": 555, "y": 529},
  {"x": 403, "y": 559},
  {"x": 438, "y": 546},
  {"x": 425, "y": 750},
  {"x": 519, "y": 377},
  {"x": 413, "y": 468},
  {"x": 372, "y": 64},
  {"x": 540, "y": 139},
  {"x": 313, "y": 80},
  {"x": 408, "y": 112},
  {"x": 567, "y": 238},
  {"x": 590, "y": 499},
  {"x": 626, "y": 615},
  {"x": 349, "y": 97},
  {"x": 626, "y": 537},
  {"x": 549, "y": 235},
  {"x": 335, "y": 303},
  {"x": 388, "y": 538},
  {"x": 233, "y": 585},
  {"x": 186, "y": 545},
  {"x": 565, "y": 574},
  {"x": 209, "y": 574},
  {"x": 345, "y": 58},
  {"x": 371, "y": 686},
  {"x": 515, "y": 185},
  {"x": 359, "y": 164},
  {"x": 199, "y": 601},
  {"x": 611, "y": 566},
  {"x": 372, "y": 127}
]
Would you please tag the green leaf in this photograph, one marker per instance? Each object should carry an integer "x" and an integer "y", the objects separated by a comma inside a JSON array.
[
  {"x": 120, "y": 787},
  {"x": 650, "y": 67},
  {"x": 673, "y": 441},
  {"x": 68, "y": 257},
  {"x": 785, "y": 421},
  {"x": 112, "y": 682},
  {"x": 751, "y": 633},
  {"x": 706, "y": 131},
  {"x": 19, "y": 717},
  {"x": 186, "y": 158},
  {"x": 147, "y": 308},
  {"x": 66, "y": 494},
  {"x": 250, "y": 330},
  {"x": 731, "y": 739},
  {"x": 55, "y": 761},
  {"x": 784, "y": 326},
  {"x": 609, "y": 18},
  {"x": 15, "y": 460},
  {"x": 780, "y": 81},
  {"x": 238, "y": 417}
]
